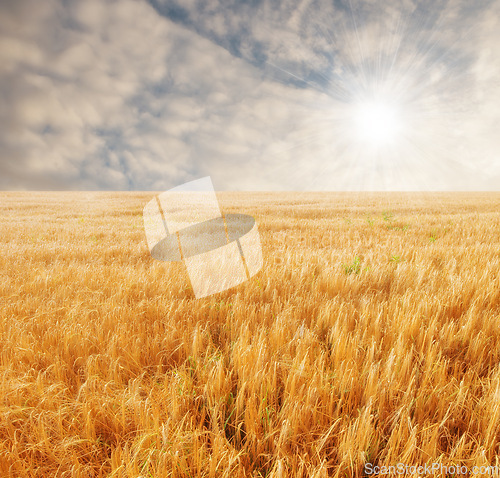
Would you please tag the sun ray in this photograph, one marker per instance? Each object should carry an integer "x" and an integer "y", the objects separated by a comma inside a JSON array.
[{"x": 384, "y": 98}]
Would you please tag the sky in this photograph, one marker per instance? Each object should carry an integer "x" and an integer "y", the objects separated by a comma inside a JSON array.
[{"x": 259, "y": 94}]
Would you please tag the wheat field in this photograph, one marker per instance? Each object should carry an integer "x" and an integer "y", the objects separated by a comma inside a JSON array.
[{"x": 370, "y": 336}]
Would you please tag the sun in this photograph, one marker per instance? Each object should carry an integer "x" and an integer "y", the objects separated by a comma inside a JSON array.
[{"x": 376, "y": 122}]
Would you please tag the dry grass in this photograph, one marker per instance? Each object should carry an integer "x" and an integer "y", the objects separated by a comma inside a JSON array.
[{"x": 320, "y": 364}]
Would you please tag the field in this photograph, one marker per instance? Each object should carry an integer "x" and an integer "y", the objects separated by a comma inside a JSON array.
[{"x": 370, "y": 336}]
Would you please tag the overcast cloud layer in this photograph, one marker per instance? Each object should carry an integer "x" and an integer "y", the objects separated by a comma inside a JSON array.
[{"x": 130, "y": 94}]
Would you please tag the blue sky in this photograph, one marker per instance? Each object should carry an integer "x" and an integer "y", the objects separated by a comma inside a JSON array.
[{"x": 259, "y": 95}]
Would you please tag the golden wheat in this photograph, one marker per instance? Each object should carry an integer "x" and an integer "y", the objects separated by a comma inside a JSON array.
[{"x": 371, "y": 335}]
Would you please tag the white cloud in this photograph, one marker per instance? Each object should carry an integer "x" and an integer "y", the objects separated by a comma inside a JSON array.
[{"x": 113, "y": 95}]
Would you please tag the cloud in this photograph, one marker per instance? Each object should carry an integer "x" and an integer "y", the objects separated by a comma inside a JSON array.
[
  {"x": 134, "y": 95},
  {"x": 107, "y": 107}
]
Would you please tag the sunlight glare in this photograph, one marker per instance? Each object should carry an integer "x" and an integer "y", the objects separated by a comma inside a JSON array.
[{"x": 377, "y": 122}]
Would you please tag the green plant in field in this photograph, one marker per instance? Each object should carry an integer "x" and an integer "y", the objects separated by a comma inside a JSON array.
[
  {"x": 191, "y": 365},
  {"x": 370, "y": 221},
  {"x": 398, "y": 228},
  {"x": 354, "y": 267},
  {"x": 267, "y": 410},
  {"x": 388, "y": 216},
  {"x": 220, "y": 305},
  {"x": 395, "y": 258},
  {"x": 433, "y": 236}
]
